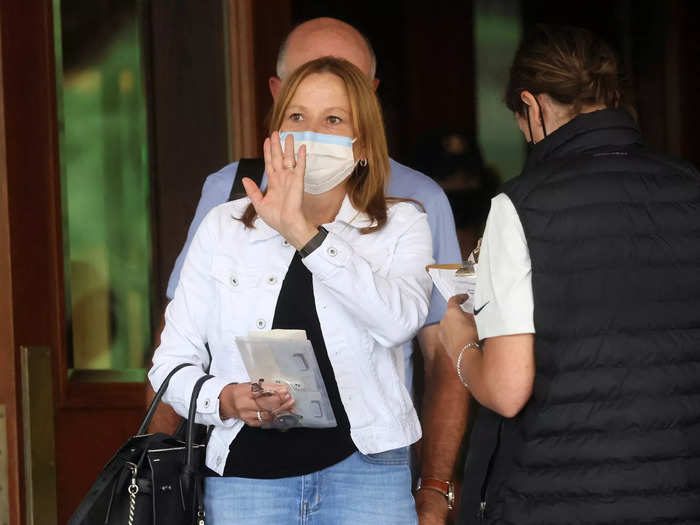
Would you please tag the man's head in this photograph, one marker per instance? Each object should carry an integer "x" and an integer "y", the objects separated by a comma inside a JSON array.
[{"x": 321, "y": 37}]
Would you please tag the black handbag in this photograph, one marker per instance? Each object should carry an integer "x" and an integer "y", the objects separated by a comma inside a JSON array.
[{"x": 154, "y": 479}]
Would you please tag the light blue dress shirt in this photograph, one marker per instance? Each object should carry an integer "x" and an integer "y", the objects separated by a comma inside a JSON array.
[{"x": 405, "y": 183}]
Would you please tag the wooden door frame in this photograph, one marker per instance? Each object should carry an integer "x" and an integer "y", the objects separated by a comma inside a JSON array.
[
  {"x": 8, "y": 364},
  {"x": 31, "y": 271},
  {"x": 243, "y": 133}
]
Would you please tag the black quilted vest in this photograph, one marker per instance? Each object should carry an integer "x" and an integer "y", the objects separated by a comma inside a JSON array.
[{"x": 611, "y": 433}]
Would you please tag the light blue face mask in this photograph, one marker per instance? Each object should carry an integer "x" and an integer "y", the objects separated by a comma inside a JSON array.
[{"x": 329, "y": 159}]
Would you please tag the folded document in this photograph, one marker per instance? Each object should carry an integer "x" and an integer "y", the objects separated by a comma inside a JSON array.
[{"x": 287, "y": 357}]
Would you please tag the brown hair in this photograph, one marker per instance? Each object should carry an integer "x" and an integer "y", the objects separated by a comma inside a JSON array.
[
  {"x": 366, "y": 184},
  {"x": 569, "y": 64}
]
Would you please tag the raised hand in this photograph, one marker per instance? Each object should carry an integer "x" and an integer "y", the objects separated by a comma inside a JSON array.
[{"x": 281, "y": 205}]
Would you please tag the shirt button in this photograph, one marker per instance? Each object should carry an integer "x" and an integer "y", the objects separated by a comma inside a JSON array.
[
  {"x": 271, "y": 280},
  {"x": 234, "y": 281},
  {"x": 332, "y": 251},
  {"x": 260, "y": 323}
]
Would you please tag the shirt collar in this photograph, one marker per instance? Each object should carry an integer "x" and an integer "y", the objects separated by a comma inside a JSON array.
[
  {"x": 605, "y": 127},
  {"x": 348, "y": 215}
]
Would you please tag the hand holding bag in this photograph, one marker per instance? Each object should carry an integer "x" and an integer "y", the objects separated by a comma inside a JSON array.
[{"x": 154, "y": 479}]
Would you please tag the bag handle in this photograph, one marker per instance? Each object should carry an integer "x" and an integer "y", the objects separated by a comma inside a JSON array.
[
  {"x": 191, "y": 473},
  {"x": 156, "y": 400},
  {"x": 190, "y": 420}
]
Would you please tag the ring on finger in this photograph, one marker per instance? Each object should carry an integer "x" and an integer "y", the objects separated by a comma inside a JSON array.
[
  {"x": 260, "y": 417},
  {"x": 290, "y": 164}
]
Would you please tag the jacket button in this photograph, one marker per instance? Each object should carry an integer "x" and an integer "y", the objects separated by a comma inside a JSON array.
[
  {"x": 285, "y": 242},
  {"x": 271, "y": 280},
  {"x": 218, "y": 461},
  {"x": 332, "y": 251},
  {"x": 206, "y": 403},
  {"x": 260, "y": 323},
  {"x": 234, "y": 281}
]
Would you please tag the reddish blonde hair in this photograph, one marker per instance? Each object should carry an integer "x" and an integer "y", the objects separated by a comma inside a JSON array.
[{"x": 366, "y": 184}]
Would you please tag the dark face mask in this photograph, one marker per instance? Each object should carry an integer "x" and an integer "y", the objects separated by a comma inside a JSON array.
[{"x": 529, "y": 127}]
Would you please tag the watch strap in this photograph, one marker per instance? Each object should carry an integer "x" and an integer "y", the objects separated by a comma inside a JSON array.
[
  {"x": 446, "y": 488},
  {"x": 314, "y": 243}
]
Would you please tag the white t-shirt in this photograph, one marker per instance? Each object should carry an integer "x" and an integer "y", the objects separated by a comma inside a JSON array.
[{"x": 503, "y": 302}]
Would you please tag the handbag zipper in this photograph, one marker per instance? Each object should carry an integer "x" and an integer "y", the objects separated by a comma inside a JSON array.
[{"x": 481, "y": 514}]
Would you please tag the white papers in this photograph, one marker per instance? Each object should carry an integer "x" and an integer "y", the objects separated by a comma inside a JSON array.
[
  {"x": 454, "y": 279},
  {"x": 277, "y": 334},
  {"x": 287, "y": 357}
]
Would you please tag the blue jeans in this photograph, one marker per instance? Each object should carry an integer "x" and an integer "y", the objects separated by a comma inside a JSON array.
[{"x": 362, "y": 489}]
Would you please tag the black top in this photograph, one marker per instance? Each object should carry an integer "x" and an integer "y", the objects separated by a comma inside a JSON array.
[
  {"x": 258, "y": 453},
  {"x": 611, "y": 433}
]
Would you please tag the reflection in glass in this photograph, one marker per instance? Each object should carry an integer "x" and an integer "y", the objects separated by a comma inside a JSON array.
[
  {"x": 105, "y": 185},
  {"x": 497, "y": 32}
]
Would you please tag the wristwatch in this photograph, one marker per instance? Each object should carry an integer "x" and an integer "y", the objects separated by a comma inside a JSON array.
[
  {"x": 314, "y": 243},
  {"x": 446, "y": 488}
]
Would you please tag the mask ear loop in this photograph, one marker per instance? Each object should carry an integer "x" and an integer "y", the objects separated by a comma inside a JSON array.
[
  {"x": 529, "y": 127},
  {"x": 544, "y": 129}
]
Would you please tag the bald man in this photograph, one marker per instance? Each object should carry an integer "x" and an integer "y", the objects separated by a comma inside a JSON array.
[{"x": 444, "y": 407}]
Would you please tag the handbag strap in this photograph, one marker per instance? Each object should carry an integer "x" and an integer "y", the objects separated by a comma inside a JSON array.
[
  {"x": 190, "y": 419},
  {"x": 156, "y": 400}
]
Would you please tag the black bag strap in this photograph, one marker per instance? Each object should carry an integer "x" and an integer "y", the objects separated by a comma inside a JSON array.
[
  {"x": 251, "y": 168},
  {"x": 190, "y": 420},
  {"x": 156, "y": 400},
  {"x": 181, "y": 430}
]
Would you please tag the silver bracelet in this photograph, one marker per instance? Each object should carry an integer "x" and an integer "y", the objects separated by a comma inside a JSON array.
[{"x": 459, "y": 361}]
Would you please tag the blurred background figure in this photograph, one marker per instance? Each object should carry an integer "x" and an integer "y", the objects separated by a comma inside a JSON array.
[{"x": 453, "y": 158}]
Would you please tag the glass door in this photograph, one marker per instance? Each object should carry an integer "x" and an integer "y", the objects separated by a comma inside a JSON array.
[
  {"x": 103, "y": 138},
  {"x": 114, "y": 112}
]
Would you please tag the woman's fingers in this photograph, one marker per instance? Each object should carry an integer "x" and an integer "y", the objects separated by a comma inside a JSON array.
[
  {"x": 273, "y": 402},
  {"x": 257, "y": 418},
  {"x": 286, "y": 406},
  {"x": 457, "y": 300},
  {"x": 276, "y": 152},
  {"x": 267, "y": 155},
  {"x": 272, "y": 175},
  {"x": 301, "y": 161},
  {"x": 253, "y": 192},
  {"x": 288, "y": 155}
]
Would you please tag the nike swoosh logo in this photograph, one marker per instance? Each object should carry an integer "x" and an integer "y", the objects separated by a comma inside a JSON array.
[{"x": 477, "y": 310}]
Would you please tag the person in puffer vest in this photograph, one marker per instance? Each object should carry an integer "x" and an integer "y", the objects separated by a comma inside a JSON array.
[{"x": 586, "y": 364}]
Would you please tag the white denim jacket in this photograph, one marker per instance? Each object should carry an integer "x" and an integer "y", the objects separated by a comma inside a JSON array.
[{"x": 371, "y": 293}]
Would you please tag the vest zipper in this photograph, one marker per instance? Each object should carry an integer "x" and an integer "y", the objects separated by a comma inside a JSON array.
[
  {"x": 482, "y": 511},
  {"x": 481, "y": 514}
]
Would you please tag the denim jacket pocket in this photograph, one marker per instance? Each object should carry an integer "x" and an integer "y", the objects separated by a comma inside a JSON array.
[{"x": 232, "y": 276}]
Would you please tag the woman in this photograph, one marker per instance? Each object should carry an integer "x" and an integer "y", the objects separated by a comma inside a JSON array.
[
  {"x": 587, "y": 305},
  {"x": 321, "y": 250}
]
